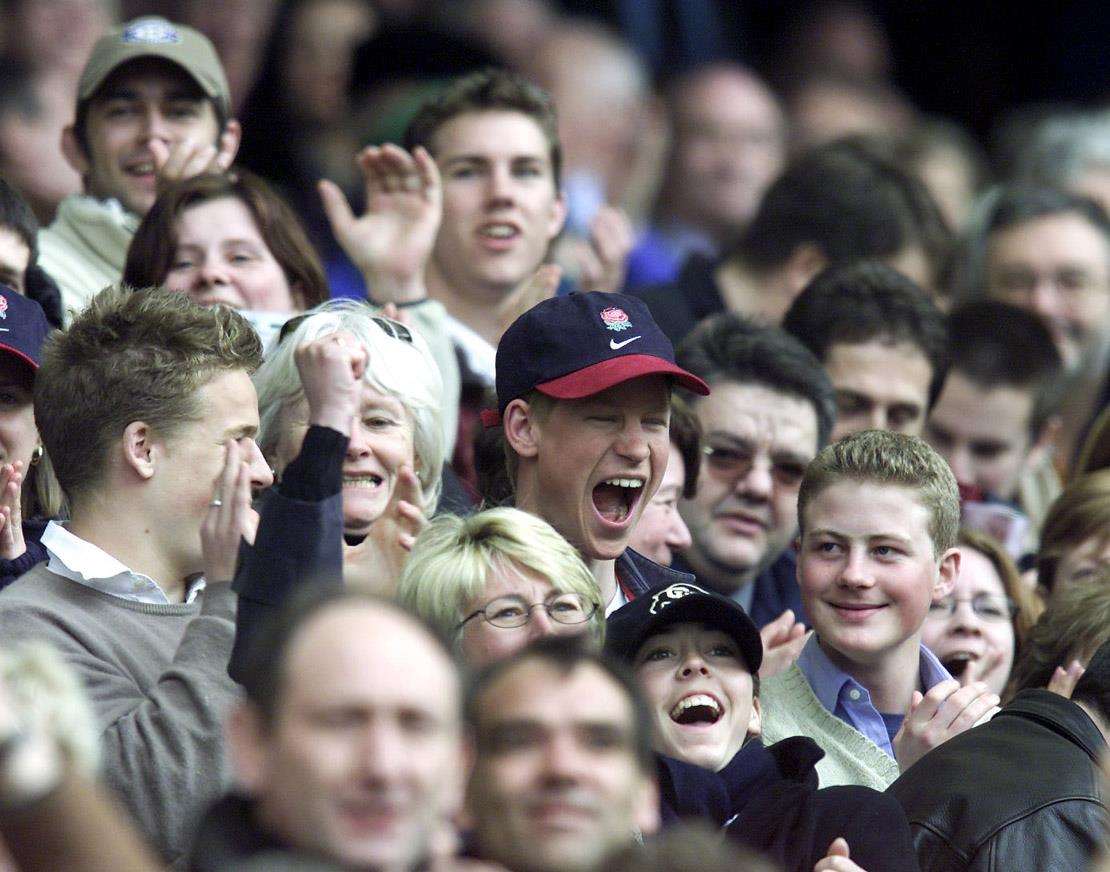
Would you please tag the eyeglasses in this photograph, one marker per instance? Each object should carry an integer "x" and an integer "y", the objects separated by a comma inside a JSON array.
[
  {"x": 987, "y": 606},
  {"x": 732, "y": 462},
  {"x": 394, "y": 329},
  {"x": 508, "y": 612}
]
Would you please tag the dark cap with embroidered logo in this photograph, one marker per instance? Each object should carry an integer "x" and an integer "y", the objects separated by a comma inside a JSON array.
[
  {"x": 152, "y": 36},
  {"x": 653, "y": 612},
  {"x": 582, "y": 344},
  {"x": 23, "y": 327}
]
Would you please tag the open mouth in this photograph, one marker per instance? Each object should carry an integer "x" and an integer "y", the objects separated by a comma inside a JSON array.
[
  {"x": 615, "y": 498},
  {"x": 957, "y": 662},
  {"x": 698, "y": 708},
  {"x": 363, "y": 481}
]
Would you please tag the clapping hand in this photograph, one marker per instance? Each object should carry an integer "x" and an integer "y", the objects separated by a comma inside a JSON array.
[
  {"x": 945, "y": 711},
  {"x": 783, "y": 640},
  {"x": 11, "y": 511},
  {"x": 391, "y": 241}
]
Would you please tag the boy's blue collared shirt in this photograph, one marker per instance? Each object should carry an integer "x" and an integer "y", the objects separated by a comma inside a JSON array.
[{"x": 849, "y": 700}]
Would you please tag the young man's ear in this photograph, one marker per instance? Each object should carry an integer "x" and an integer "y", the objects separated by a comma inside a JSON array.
[
  {"x": 521, "y": 428},
  {"x": 558, "y": 217},
  {"x": 755, "y": 719},
  {"x": 139, "y": 449},
  {"x": 74, "y": 152},
  {"x": 948, "y": 570}
]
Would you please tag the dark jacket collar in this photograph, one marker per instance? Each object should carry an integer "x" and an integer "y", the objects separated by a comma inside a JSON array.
[
  {"x": 1060, "y": 715},
  {"x": 687, "y": 790}
]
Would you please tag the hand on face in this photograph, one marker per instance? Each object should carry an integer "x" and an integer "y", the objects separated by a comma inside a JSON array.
[
  {"x": 11, "y": 512},
  {"x": 187, "y": 158},
  {"x": 230, "y": 518},
  {"x": 331, "y": 370},
  {"x": 391, "y": 242}
]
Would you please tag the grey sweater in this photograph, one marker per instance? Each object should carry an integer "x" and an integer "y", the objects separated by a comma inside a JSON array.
[{"x": 156, "y": 676}]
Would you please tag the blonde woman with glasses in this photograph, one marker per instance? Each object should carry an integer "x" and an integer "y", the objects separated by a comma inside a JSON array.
[{"x": 497, "y": 580}]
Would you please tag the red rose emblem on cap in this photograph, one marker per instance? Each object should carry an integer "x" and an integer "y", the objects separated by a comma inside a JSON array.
[{"x": 615, "y": 319}]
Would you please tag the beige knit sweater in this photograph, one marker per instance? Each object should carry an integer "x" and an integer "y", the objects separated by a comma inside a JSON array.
[{"x": 790, "y": 708}]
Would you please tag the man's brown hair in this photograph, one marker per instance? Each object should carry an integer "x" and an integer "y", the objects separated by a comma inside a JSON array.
[
  {"x": 488, "y": 91},
  {"x": 154, "y": 245},
  {"x": 881, "y": 457},
  {"x": 131, "y": 356}
]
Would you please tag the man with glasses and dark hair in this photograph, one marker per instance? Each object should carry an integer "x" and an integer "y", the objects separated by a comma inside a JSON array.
[{"x": 771, "y": 410}]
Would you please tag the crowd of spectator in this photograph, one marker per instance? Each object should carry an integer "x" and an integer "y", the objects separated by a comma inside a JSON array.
[{"x": 510, "y": 435}]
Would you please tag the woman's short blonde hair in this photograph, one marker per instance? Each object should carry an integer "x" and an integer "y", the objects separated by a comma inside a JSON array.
[
  {"x": 453, "y": 558},
  {"x": 399, "y": 364}
]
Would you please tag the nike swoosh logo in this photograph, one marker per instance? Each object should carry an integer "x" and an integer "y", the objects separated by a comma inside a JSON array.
[{"x": 617, "y": 346}]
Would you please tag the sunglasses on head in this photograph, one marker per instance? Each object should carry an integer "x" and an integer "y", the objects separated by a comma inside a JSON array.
[{"x": 394, "y": 329}]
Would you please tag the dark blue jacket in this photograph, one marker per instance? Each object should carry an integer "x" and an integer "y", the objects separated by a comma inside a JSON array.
[{"x": 768, "y": 799}]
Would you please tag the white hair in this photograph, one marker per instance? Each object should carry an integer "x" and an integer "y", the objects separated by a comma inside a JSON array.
[{"x": 395, "y": 367}]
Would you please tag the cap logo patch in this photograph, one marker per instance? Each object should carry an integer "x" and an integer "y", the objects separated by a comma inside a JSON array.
[
  {"x": 670, "y": 594},
  {"x": 150, "y": 32},
  {"x": 615, "y": 319},
  {"x": 3, "y": 307}
]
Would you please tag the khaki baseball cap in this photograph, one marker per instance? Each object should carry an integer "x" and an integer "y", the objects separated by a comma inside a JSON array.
[{"x": 151, "y": 36}]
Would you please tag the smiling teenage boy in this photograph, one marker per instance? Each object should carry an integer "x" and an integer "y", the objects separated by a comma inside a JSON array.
[
  {"x": 878, "y": 514},
  {"x": 153, "y": 105},
  {"x": 583, "y": 390}
]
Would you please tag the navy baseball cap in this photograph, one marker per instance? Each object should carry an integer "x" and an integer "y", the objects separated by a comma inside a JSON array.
[
  {"x": 651, "y": 613},
  {"x": 23, "y": 327},
  {"x": 581, "y": 344}
]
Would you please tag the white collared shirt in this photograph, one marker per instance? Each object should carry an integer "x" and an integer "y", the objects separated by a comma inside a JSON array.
[{"x": 73, "y": 558}]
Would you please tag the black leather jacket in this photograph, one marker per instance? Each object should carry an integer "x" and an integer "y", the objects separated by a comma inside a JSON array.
[{"x": 1021, "y": 792}]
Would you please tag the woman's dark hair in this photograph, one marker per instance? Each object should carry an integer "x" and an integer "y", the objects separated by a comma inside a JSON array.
[{"x": 154, "y": 246}]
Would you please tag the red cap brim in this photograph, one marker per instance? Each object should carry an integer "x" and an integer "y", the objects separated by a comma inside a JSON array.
[
  {"x": 15, "y": 352},
  {"x": 602, "y": 376}
]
